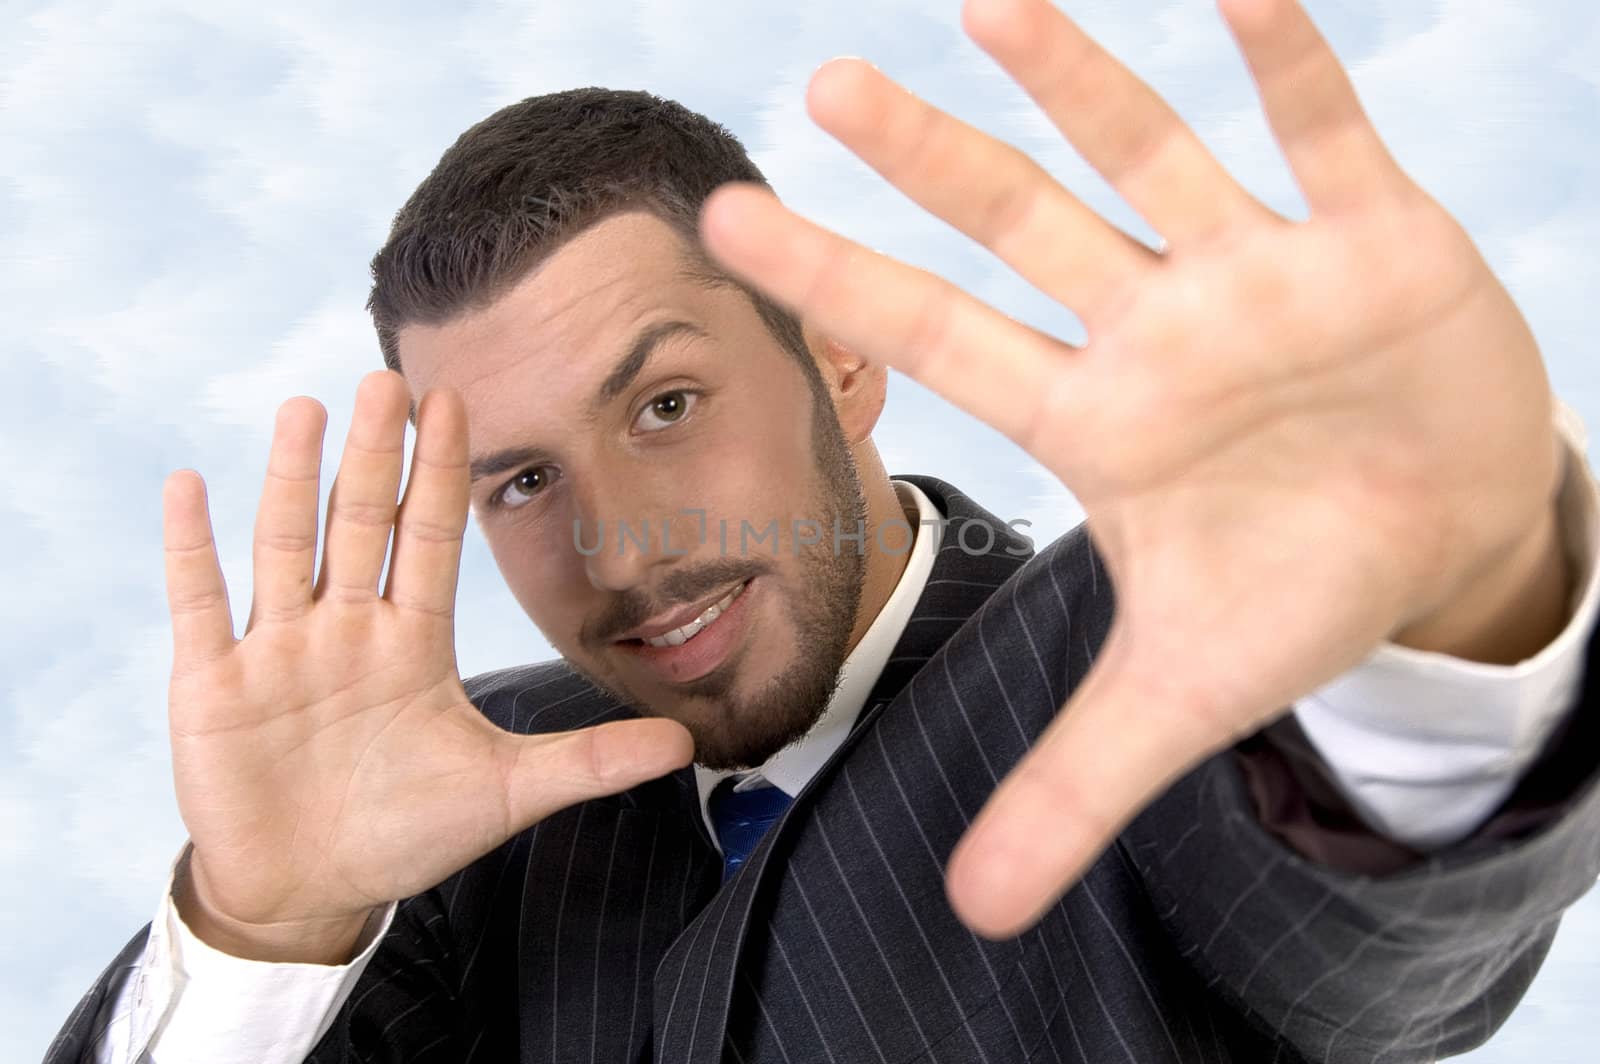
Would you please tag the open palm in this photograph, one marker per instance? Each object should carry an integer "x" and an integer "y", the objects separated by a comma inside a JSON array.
[
  {"x": 1292, "y": 439},
  {"x": 330, "y": 760}
]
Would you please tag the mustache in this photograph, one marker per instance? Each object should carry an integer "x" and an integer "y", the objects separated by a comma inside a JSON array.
[{"x": 631, "y": 608}]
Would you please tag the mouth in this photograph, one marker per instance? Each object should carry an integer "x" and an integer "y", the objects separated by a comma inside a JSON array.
[
  {"x": 697, "y": 643},
  {"x": 677, "y": 629}
]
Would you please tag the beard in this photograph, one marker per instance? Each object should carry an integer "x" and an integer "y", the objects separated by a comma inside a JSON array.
[
  {"x": 753, "y": 727},
  {"x": 745, "y": 729}
]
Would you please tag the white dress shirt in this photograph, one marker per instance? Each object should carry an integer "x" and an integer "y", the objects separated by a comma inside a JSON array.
[{"x": 1392, "y": 731}]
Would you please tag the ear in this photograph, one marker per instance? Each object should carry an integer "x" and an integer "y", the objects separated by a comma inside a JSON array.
[{"x": 858, "y": 387}]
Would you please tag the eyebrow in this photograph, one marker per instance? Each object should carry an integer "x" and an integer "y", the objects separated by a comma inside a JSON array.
[
  {"x": 622, "y": 374},
  {"x": 644, "y": 345}
]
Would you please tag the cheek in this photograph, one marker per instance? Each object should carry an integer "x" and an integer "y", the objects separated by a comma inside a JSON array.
[
  {"x": 753, "y": 493},
  {"x": 544, "y": 572},
  {"x": 762, "y": 466}
]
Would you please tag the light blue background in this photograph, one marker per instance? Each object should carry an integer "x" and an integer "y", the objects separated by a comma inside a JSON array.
[{"x": 189, "y": 196}]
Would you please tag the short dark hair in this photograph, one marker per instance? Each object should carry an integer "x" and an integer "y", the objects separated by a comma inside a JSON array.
[{"x": 516, "y": 186}]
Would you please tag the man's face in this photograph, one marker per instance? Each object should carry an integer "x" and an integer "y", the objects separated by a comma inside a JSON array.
[{"x": 643, "y": 448}]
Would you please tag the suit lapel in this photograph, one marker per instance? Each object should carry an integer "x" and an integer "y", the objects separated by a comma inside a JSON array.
[{"x": 694, "y": 981}]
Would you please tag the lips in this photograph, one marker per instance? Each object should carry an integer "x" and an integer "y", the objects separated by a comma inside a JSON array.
[
  {"x": 681, "y": 624},
  {"x": 710, "y": 640}
]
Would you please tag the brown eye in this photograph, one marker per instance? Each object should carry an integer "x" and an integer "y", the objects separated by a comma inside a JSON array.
[
  {"x": 526, "y": 484},
  {"x": 665, "y": 409}
]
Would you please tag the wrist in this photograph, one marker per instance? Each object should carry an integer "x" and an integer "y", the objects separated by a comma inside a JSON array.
[
  {"x": 1509, "y": 613},
  {"x": 329, "y": 941}
]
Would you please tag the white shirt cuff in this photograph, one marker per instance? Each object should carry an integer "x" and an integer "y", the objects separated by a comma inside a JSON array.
[
  {"x": 193, "y": 1002},
  {"x": 1426, "y": 746}
]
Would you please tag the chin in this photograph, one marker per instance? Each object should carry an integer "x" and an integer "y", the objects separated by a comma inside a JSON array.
[
  {"x": 743, "y": 732},
  {"x": 718, "y": 749}
]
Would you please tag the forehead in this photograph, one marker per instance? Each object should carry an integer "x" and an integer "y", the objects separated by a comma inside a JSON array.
[{"x": 565, "y": 323}]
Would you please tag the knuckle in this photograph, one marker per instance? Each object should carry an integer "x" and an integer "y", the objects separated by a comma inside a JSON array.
[
  {"x": 927, "y": 143},
  {"x": 276, "y": 613},
  {"x": 1134, "y": 150},
  {"x": 355, "y": 448},
  {"x": 364, "y": 514},
  {"x": 191, "y": 602},
  {"x": 929, "y": 329},
  {"x": 426, "y": 530},
  {"x": 294, "y": 480},
  {"x": 415, "y": 605},
  {"x": 453, "y": 465},
  {"x": 348, "y": 594},
  {"x": 1007, "y": 209},
  {"x": 286, "y": 542}
]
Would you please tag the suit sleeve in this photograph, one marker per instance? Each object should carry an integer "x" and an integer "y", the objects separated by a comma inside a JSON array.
[
  {"x": 407, "y": 1005},
  {"x": 169, "y": 997},
  {"x": 1353, "y": 947},
  {"x": 92, "y": 1020}
]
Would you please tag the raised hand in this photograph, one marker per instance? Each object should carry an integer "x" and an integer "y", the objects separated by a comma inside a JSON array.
[
  {"x": 1292, "y": 439},
  {"x": 330, "y": 761}
]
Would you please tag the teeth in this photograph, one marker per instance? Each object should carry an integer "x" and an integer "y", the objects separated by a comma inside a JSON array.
[{"x": 679, "y": 636}]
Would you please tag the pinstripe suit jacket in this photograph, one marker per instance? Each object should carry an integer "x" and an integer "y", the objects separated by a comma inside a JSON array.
[{"x": 604, "y": 934}]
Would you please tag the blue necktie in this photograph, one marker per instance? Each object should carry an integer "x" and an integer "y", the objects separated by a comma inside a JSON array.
[{"x": 741, "y": 818}]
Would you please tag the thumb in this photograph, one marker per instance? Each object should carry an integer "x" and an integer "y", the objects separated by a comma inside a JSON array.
[
  {"x": 550, "y": 772},
  {"x": 1124, "y": 735}
]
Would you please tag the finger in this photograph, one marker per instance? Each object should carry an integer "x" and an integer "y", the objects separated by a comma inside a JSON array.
[
  {"x": 1336, "y": 155},
  {"x": 361, "y": 506},
  {"x": 551, "y": 772},
  {"x": 1118, "y": 123},
  {"x": 925, "y": 326},
  {"x": 433, "y": 515},
  {"x": 1120, "y": 740},
  {"x": 197, "y": 595},
  {"x": 989, "y": 190},
  {"x": 286, "y": 524}
]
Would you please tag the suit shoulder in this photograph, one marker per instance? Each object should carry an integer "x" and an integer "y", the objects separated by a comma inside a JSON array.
[
  {"x": 1056, "y": 609},
  {"x": 545, "y": 696},
  {"x": 1072, "y": 562},
  {"x": 1066, "y": 575}
]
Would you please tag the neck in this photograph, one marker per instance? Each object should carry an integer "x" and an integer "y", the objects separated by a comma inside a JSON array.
[{"x": 882, "y": 568}]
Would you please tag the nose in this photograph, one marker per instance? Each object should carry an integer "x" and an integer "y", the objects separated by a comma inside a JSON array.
[{"x": 624, "y": 537}]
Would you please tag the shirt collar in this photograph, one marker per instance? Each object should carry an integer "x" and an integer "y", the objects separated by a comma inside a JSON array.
[{"x": 791, "y": 768}]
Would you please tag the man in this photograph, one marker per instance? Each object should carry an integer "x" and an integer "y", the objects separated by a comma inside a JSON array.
[{"x": 1276, "y": 481}]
